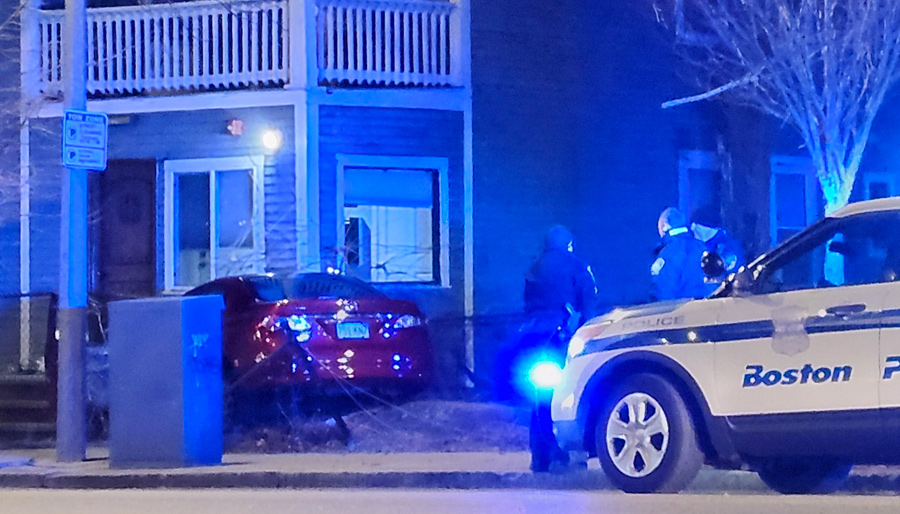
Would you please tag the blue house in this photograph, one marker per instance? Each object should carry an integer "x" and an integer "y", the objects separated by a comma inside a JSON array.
[{"x": 424, "y": 145}]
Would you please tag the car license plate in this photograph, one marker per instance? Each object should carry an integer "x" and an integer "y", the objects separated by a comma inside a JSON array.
[{"x": 352, "y": 330}]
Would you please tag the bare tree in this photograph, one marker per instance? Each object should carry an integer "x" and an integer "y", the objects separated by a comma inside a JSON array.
[{"x": 824, "y": 66}]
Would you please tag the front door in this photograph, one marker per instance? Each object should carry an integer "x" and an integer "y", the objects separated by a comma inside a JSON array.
[{"x": 125, "y": 223}]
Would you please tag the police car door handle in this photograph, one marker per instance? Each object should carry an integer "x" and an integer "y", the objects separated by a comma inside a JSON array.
[{"x": 846, "y": 310}]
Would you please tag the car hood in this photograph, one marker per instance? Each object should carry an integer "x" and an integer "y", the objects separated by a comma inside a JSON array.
[{"x": 603, "y": 332}]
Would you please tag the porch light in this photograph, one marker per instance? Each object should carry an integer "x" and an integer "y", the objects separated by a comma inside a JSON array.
[{"x": 272, "y": 139}]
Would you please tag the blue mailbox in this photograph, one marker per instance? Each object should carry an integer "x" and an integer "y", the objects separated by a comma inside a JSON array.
[{"x": 165, "y": 382}]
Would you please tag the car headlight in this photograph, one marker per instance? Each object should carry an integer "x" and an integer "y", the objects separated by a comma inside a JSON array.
[
  {"x": 407, "y": 321},
  {"x": 578, "y": 342}
]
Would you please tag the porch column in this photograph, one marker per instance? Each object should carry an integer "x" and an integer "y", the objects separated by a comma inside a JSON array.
[{"x": 306, "y": 170}]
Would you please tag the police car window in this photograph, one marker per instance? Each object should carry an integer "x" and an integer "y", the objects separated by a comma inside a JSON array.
[{"x": 861, "y": 249}]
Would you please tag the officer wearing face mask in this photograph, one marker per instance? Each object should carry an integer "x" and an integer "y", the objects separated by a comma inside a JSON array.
[
  {"x": 676, "y": 272},
  {"x": 707, "y": 227}
]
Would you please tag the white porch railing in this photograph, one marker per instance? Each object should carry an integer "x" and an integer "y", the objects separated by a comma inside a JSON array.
[
  {"x": 232, "y": 44},
  {"x": 390, "y": 42},
  {"x": 205, "y": 44}
]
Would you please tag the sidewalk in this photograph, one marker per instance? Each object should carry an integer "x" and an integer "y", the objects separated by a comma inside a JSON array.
[{"x": 38, "y": 469}]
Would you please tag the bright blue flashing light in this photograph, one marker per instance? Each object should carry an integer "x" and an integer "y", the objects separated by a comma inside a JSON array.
[
  {"x": 545, "y": 375},
  {"x": 298, "y": 323}
]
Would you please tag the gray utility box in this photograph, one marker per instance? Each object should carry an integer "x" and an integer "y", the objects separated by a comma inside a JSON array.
[{"x": 165, "y": 382}]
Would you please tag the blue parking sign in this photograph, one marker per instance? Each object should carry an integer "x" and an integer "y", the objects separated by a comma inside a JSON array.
[{"x": 85, "y": 140}]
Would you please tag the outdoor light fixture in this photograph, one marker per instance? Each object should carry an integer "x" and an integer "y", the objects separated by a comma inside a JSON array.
[
  {"x": 272, "y": 139},
  {"x": 235, "y": 127}
]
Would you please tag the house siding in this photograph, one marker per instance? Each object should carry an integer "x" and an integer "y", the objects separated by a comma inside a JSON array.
[
  {"x": 165, "y": 136},
  {"x": 416, "y": 133}
]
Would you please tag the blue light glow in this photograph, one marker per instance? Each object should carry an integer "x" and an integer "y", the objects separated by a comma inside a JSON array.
[{"x": 545, "y": 375}]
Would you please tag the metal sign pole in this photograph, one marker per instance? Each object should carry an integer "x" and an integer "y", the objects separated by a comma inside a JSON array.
[{"x": 71, "y": 410}]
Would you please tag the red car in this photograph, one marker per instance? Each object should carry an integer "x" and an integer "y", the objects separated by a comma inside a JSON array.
[{"x": 320, "y": 331}]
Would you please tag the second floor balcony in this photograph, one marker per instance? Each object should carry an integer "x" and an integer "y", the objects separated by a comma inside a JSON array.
[{"x": 223, "y": 45}]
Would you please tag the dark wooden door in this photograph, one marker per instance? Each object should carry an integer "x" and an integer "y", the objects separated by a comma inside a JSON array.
[{"x": 125, "y": 226}]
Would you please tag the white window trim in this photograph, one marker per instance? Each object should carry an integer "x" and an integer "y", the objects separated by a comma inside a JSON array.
[
  {"x": 879, "y": 176},
  {"x": 440, "y": 164},
  {"x": 792, "y": 165},
  {"x": 688, "y": 160},
  {"x": 210, "y": 165}
]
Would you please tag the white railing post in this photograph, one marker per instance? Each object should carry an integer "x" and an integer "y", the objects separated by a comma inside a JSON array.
[
  {"x": 460, "y": 44},
  {"x": 30, "y": 56}
]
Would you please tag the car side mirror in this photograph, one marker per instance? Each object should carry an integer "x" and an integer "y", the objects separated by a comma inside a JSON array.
[
  {"x": 712, "y": 264},
  {"x": 742, "y": 283},
  {"x": 839, "y": 247}
]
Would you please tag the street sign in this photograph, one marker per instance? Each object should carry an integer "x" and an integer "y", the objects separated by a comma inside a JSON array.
[{"x": 85, "y": 140}]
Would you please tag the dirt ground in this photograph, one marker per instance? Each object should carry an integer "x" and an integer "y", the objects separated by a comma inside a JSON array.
[{"x": 417, "y": 426}]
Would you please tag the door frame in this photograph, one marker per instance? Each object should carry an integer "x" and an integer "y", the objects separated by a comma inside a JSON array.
[{"x": 210, "y": 165}]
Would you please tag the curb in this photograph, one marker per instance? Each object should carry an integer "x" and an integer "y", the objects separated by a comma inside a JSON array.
[
  {"x": 463, "y": 480},
  {"x": 708, "y": 481}
]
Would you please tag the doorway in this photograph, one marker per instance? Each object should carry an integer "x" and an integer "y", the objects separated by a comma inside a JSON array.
[{"x": 123, "y": 229}]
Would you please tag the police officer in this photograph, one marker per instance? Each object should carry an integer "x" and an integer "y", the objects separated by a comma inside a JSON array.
[
  {"x": 706, "y": 225},
  {"x": 676, "y": 273},
  {"x": 559, "y": 284},
  {"x": 560, "y": 294}
]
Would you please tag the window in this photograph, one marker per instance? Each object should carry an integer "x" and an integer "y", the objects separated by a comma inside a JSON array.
[
  {"x": 394, "y": 219},
  {"x": 869, "y": 244},
  {"x": 879, "y": 185},
  {"x": 213, "y": 220},
  {"x": 699, "y": 181},
  {"x": 792, "y": 197}
]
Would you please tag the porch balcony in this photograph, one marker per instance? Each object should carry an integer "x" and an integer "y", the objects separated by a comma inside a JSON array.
[{"x": 215, "y": 45}]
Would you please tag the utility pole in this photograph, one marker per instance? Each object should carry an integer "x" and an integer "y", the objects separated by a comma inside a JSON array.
[{"x": 71, "y": 411}]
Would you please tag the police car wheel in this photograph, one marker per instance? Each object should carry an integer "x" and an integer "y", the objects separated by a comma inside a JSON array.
[
  {"x": 645, "y": 437},
  {"x": 801, "y": 475}
]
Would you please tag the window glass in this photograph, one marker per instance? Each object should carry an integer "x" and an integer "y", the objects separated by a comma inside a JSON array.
[
  {"x": 193, "y": 228},
  {"x": 879, "y": 190},
  {"x": 868, "y": 246},
  {"x": 390, "y": 225},
  {"x": 790, "y": 192},
  {"x": 235, "y": 198}
]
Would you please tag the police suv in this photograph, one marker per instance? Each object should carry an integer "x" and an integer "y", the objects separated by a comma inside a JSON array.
[{"x": 791, "y": 368}]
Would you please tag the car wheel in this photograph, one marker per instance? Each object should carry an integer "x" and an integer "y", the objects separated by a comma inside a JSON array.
[
  {"x": 804, "y": 475},
  {"x": 646, "y": 441}
]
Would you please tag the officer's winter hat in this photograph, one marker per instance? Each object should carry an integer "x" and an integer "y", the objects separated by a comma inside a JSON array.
[
  {"x": 708, "y": 216},
  {"x": 672, "y": 218},
  {"x": 558, "y": 238}
]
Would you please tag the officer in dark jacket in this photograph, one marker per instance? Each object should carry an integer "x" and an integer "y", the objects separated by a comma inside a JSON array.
[
  {"x": 676, "y": 273},
  {"x": 559, "y": 283},
  {"x": 706, "y": 225},
  {"x": 560, "y": 294}
]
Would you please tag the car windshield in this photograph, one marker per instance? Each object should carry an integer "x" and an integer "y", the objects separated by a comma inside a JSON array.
[
  {"x": 323, "y": 285},
  {"x": 267, "y": 289}
]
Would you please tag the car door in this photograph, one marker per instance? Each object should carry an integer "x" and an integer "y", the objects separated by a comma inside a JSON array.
[
  {"x": 803, "y": 338},
  {"x": 889, "y": 383}
]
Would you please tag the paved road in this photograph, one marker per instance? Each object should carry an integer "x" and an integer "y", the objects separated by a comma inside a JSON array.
[{"x": 336, "y": 501}]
